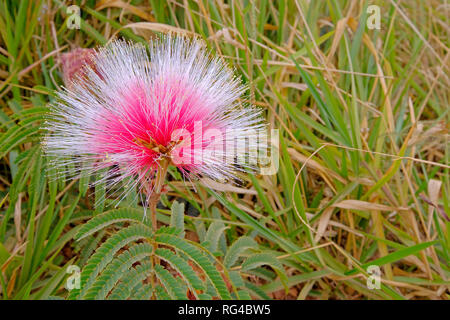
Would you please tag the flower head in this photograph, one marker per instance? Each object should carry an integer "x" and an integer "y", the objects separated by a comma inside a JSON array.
[{"x": 133, "y": 107}]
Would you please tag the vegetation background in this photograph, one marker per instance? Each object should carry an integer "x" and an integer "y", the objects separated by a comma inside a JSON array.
[{"x": 364, "y": 158}]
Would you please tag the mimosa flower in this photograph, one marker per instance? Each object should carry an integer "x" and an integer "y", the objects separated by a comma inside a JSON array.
[{"x": 133, "y": 107}]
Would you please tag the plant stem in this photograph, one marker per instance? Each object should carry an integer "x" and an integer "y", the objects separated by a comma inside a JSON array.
[
  {"x": 156, "y": 194},
  {"x": 154, "y": 199}
]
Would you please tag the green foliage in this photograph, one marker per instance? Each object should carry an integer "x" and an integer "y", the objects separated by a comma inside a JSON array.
[
  {"x": 348, "y": 101},
  {"x": 123, "y": 263}
]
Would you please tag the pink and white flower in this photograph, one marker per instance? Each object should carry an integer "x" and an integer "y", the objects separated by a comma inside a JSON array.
[{"x": 132, "y": 107}]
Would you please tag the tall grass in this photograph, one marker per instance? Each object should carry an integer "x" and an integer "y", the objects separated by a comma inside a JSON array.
[{"x": 364, "y": 155}]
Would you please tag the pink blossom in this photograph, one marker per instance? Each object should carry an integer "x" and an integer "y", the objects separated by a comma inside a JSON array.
[{"x": 133, "y": 106}]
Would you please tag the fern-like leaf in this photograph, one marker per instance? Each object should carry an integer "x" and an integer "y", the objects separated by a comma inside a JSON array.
[
  {"x": 132, "y": 278},
  {"x": 105, "y": 253},
  {"x": 238, "y": 248},
  {"x": 213, "y": 234},
  {"x": 115, "y": 270},
  {"x": 161, "y": 294},
  {"x": 182, "y": 267},
  {"x": 110, "y": 217},
  {"x": 199, "y": 258},
  {"x": 144, "y": 293},
  {"x": 171, "y": 285},
  {"x": 177, "y": 216},
  {"x": 259, "y": 259}
]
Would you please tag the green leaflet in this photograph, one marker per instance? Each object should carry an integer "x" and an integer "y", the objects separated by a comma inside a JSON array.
[
  {"x": 259, "y": 259},
  {"x": 237, "y": 248},
  {"x": 182, "y": 267},
  {"x": 177, "y": 216},
  {"x": 114, "y": 271},
  {"x": 170, "y": 284},
  {"x": 132, "y": 279},
  {"x": 110, "y": 217},
  {"x": 105, "y": 253},
  {"x": 200, "y": 259}
]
